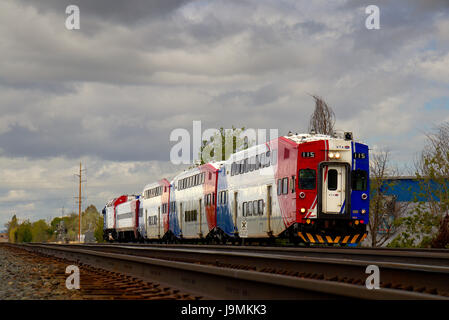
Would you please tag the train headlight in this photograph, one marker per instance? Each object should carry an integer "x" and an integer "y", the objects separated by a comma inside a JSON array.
[
  {"x": 302, "y": 195},
  {"x": 337, "y": 155},
  {"x": 303, "y": 210},
  {"x": 356, "y": 222},
  {"x": 331, "y": 155},
  {"x": 363, "y": 211},
  {"x": 364, "y": 196},
  {"x": 308, "y": 221}
]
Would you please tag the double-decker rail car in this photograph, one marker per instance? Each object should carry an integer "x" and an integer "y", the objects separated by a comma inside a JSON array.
[
  {"x": 127, "y": 219},
  {"x": 109, "y": 218},
  {"x": 154, "y": 204},
  {"x": 193, "y": 202}
]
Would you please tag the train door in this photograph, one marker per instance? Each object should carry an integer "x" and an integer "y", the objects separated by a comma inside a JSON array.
[
  {"x": 181, "y": 216},
  {"x": 159, "y": 224},
  {"x": 269, "y": 206},
  {"x": 200, "y": 233},
  {"x": 333, "y": 188},
  {"x": 145, "y": 219},
  {"x": 235, "y": 209}
]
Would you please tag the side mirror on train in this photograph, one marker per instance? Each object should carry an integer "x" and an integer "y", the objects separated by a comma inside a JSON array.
[{"x": 348, "y": 135}]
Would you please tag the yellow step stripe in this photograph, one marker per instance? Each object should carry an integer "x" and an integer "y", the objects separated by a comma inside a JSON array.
[
  {"x": 300, "y": 234},
  {"x": 345, "y": 239},
  {"x": 319, "y": 238},
  {"x": 363, "y": 237},
  {"x": 355, "y": 238},
  {"x": 337, "y": 239},
  {"x": 310, "y": 237},
  {"x": 329, "y": 239}
]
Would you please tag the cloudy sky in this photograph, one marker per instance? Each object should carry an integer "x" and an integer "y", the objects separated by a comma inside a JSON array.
[{"x": 110, "y": 93}]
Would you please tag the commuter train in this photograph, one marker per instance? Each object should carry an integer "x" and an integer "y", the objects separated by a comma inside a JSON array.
[{"x": 308, "y": 188}]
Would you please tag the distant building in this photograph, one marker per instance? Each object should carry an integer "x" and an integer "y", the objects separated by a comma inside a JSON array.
[{"x": 402, "y": 192}]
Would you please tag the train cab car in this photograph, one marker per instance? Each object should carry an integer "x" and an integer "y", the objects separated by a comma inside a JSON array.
[
  {"x": 332, "y": 189},
  {"x": 193, "y": 204},
  {"x": 127, "y": 219},
  {"x": 109, "y": 218},
  {"x": 154, "y": 203}
]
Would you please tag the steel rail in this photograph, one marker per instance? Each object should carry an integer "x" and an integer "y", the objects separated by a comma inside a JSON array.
[
  {"x": 159, "y": 265},
  {"x": 433, "y": 258}
]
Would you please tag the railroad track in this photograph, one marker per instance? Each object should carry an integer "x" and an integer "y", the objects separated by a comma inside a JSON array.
[
  {"x": 438, "y": 257},
  {"x": 95, "y": 283},
  {"x": 266, "y": 273}
]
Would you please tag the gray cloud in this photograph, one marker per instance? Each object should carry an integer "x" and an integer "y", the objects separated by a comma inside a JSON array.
[{"x": 127, "y": 12}]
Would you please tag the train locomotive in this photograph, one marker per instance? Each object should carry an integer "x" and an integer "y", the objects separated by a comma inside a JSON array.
[{"x": 307, "y": 188}]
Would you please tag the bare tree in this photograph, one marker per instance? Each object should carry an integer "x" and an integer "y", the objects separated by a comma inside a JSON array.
[
  {"x": 385, "y": 211},
  {"x": 323, "y": 118}
]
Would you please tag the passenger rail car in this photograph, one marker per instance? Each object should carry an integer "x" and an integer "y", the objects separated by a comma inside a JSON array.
[
  {"x": 155, "y": 202},
  {"x": 309, "y": 188},
  {"x": 121, "y": 218}
]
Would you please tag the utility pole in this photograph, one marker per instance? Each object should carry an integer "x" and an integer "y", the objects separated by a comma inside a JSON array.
[{"x": 79, "y": 203}]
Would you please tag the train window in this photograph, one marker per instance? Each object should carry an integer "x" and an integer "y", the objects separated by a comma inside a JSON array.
[
  {"x": 359, "y": 180},
  {"x": 267, "y": 159},
  {"x": 246, "y": 165},
  {"x": 232, "y": 168},
  {"x": 279, "y": 186},
  {"x": 307, "y": 179},
  {"x": 255, "y": 208},
  {"x": 208, "y": 199},
  {"x": 260, "y": 203},
  {"x": 285, "y": 186},
  {"x": 292, "y": 184},
  {"x": 242, "y": 168},
  {"x": 286, "y": 153},
  {"x": 257, "y": 163},
  {"x": 251, "y": 163},
  {"x": 261, "y": 160},
  {"x": 250, "y": 209},
  {"x": 244, "y": 206},
  {"x": 332, "y": 179},
  {"x": 195, "y": 180},
  {"x": 213, "y": 198},
  {"x": 274, "y": 157}
]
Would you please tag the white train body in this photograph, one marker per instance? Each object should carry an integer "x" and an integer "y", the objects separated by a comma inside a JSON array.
[
  {"x": 127, "y": 218},
  {"x": 154, "y": 205}
]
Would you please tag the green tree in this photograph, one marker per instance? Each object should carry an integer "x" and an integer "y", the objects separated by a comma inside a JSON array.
[
  {"x": 24, "y": 233},
  {"x": 384, "y": 210},
  {"x": 40, "y": 231},
  {"x": 427, "y": 221},
  {"x": 11, "y": 228},
  {"x": 99, "y": 230}
]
